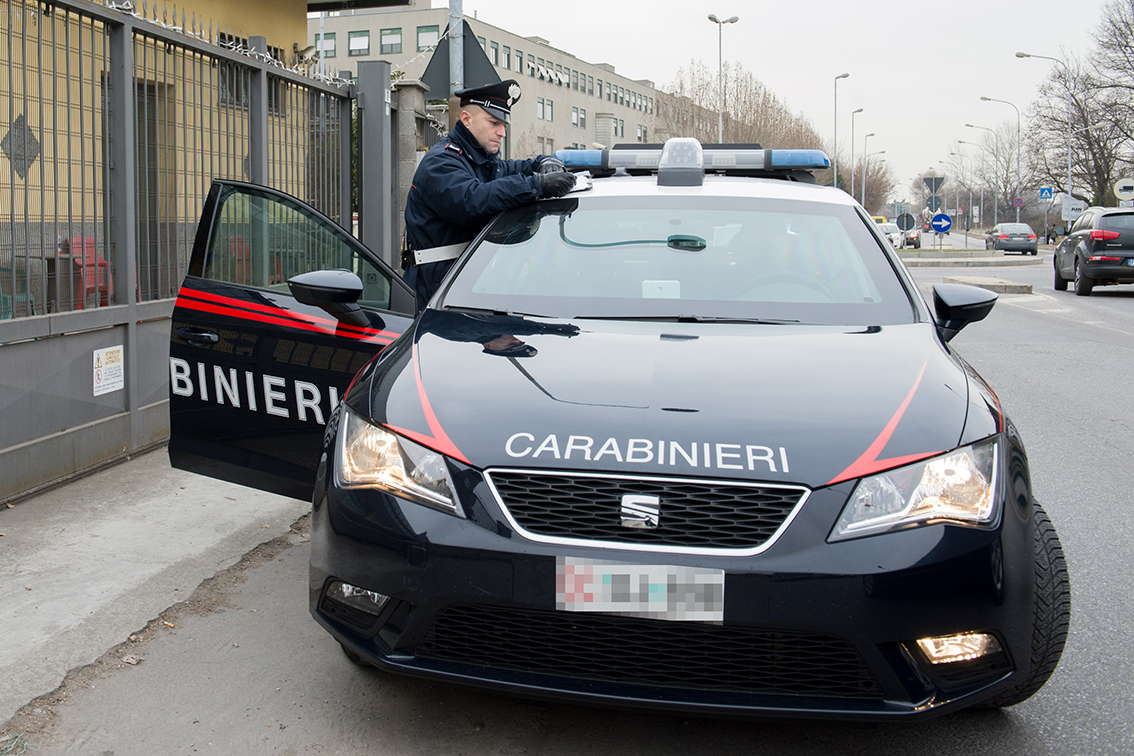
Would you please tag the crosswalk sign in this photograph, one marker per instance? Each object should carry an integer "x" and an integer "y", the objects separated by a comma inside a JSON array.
[{"x": 1045, "y": 192}]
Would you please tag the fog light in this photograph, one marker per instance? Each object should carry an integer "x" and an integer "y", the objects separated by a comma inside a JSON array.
[
  {"x": 954, "y": 648},
  {"x": 359, "y": 598}
]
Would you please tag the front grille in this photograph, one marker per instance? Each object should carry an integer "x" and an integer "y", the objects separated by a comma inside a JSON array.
[
  {"x": 695, "y": 514},
  {"x": 634, "y": 651}
]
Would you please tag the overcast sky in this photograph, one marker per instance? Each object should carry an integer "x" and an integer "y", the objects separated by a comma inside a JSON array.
[{"x": 918, "y": 70}]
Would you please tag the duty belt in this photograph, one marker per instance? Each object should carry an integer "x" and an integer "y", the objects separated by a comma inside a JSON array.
[{"x": 437, "y": 254}]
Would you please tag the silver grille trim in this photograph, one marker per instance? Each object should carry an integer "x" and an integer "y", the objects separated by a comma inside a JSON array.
[{"x": 619, "y": 546}]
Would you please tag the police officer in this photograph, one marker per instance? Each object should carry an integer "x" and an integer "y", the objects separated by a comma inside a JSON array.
[{"x": 461, "y": 183}]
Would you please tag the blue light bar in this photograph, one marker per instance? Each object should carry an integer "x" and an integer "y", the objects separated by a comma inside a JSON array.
[
  {"x": 727, "y": 160},
  {"x": 802, "y": 160},
  {"x": 581, "y": 158}
]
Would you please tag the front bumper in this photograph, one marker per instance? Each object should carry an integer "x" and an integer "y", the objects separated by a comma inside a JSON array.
[{"x": 810, "y": 629}]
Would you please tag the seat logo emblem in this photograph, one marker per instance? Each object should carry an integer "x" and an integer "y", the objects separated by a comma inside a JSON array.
[{"x": 640, "y": 511}]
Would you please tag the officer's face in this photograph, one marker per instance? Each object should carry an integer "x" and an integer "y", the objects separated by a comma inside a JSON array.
[{"x": 488, "y": 129}]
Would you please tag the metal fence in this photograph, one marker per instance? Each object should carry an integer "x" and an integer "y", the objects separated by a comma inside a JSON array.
[
  {"x": 197, "y": 110},
  {"x": 112, "y": 127}
]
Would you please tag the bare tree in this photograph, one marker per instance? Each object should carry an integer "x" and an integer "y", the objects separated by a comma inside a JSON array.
[
  {"x": 1078, "y": 124},
  {"x": 752, "y": 113}
]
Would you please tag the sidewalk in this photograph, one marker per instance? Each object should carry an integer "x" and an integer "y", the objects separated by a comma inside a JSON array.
[{"x": 84, "y": 565}]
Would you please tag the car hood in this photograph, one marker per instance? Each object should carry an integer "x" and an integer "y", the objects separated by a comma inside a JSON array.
[{"x": 786, "y": 403}]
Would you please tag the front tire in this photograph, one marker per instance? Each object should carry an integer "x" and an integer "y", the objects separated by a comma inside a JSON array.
[
  {"x": 1060, "y": 281},
  {"x": 1052, "y": 613}
]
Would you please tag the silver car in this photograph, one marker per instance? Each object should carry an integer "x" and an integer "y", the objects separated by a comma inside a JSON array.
[{"x": 893, "y": 234}]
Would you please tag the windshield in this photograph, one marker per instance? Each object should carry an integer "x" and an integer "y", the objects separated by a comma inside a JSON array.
[
  {"x": 891, "y": 228},
  {"x": 671, "y": 257}
]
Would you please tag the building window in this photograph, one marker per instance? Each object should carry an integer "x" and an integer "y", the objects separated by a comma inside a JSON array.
[
  {"x": 391, "y": 41},
  {"x": 621, "y": 128},
  {"x": 519, "y": 61},
  {"x": 547, "y": 111},
  {"x": 582, "y": 119},
  {"x": 591, "y": 86},
  {"x": 358, "y": 43},
  {"x": 575, "y": 80},
  {"x": 644, "y": 137},
  {"x": 539, "y": 146},
  {"x": 550, "y": 146},
  {"x": 531, "y": 65},
  {"x": 600, "y": 88},
  {"x": 574, "y": 116},
  {"x": 539, "y": 108},
  {"x": 483, "y": 44},
  {"x": 494, "y": 53},
  {"x": 427, "y": 37},
  {"x": 327, "y": 46},
  {"x": 639, "y": 132},
  {"x": 609, "y": 91},
  {"x": 506, "y": 62}
]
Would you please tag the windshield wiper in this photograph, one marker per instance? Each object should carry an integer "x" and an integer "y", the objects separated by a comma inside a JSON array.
[
  {"x": 690, "y": 319},
  {"x": 490, "y": 311}
]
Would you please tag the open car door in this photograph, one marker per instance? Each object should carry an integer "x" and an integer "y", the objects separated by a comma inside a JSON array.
[{"x": 254, "y": 373}]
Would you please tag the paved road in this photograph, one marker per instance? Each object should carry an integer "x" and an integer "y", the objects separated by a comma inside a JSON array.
[{"x": 245, "y": 669}]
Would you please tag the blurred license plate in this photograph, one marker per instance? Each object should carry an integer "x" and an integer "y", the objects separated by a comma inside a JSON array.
[
  {"x": 655, "y": 591},
  {"x": 1130, "y": 260}
]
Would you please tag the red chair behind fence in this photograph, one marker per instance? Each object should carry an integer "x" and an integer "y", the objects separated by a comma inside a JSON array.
[{"x": 96, "y": 273}]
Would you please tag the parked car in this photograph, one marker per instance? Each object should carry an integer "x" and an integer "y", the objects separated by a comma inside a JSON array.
[
  {"x": 1098, "y": 251},
  {"x": 912, "y": 238},
  {"x": 675, "y": 441},
  {"x": 893, "y": 234},
  {"x": 1012, "y": 237}
]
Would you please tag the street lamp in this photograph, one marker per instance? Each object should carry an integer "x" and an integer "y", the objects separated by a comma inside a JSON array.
[
  {"x": 1067, "y": 73},
  {"x": 995, "y": 173},
  {"x": 866, "y": 155},
  {"x": 720, "y": 72},
  {"x": 993, "y": 99},
  {"x": 985, "y": 149},
  {"x": 835, "y": 162},
  {"x": 865, "y": 141},
  {"x": 852, "y": 115}
]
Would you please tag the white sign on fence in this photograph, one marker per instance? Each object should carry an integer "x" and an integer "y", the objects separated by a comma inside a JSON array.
[
  {"x": 1072, "y": 208},
  {"x": 109, "y": 370}
]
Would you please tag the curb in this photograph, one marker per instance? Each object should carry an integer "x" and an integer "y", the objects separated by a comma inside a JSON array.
[{"x": 999, "y": 285}]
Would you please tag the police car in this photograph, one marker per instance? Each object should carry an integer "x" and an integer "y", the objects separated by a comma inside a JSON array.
[{"x": 687, "y": 438}]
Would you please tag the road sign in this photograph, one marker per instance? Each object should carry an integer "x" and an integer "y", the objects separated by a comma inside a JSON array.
[
  {"x": 934, "y": 183},
  {"x": 906, "y": 221},
  {"x": 1045, "y": 192},
  {"x": 1124, "y": 189},
  {"x": 1018, "y": 202},
  {"x": 933, "y": 203},
  {"x": 1072, "y": 208},
  {"x": 941, "y": 223}
]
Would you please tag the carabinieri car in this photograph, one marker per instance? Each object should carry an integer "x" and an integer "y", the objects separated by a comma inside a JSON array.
[{"x": 688, "y": 438}]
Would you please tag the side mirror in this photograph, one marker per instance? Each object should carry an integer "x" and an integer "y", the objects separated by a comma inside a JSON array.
[
  {"x": 334, "y": 291},
  {"x": 957, "y": 305}
]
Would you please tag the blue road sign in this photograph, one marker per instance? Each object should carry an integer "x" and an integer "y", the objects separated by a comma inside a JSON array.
[
  {"x": 941, "y": 223},
  {"x": 1045, "y": 192}
]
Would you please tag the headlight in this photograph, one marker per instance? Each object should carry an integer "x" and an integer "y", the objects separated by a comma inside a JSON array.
[
  {"x": 958, "y": 487},
  {"x": 372, "y": 457}
]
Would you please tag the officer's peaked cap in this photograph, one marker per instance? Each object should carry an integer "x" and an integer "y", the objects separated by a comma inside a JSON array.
[{"x": 496, "y": 98}]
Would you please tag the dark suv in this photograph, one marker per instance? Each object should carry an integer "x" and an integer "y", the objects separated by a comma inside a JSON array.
[{"x": 1099, "y": 251}]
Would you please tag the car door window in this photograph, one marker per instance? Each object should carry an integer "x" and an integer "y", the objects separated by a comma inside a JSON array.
[{"x": 261, "y": 240}]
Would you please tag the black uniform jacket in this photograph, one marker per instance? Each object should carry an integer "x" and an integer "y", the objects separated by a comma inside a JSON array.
[{"x": 456, "y": 190}]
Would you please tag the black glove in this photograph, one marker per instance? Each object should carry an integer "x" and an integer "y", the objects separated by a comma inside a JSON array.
[
  {"x": 556, "y": 184},
  {"x": 551, "y": 165}
]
